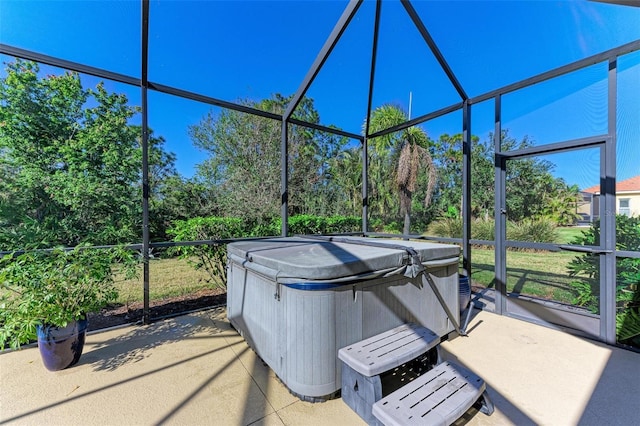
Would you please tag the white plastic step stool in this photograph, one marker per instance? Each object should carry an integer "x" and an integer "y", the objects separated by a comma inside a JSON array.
[
  {"x": 438, "y": 397},
  {"x": 377, "y": 366}
]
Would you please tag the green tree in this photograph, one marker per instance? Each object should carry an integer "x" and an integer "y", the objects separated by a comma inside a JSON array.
[
  {"x": 177, "y": 198},
  {"x": 447, "y": 158},
  {"x": 346, "y": 175},
  {"x": 532, "y": 190},
  {"x": 561, "y": 202},
  {"x": 244, "y": 161},
  {"x": 397, "y": 160},
  {"x": 70, "y": 161},
  {"x": 482, "y": 179}
]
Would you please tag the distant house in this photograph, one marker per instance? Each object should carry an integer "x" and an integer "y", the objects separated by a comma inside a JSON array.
[{"x": 627, "y": 199}]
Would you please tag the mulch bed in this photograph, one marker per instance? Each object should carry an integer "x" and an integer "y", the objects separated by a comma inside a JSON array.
[{"x": 132, "y": 313}]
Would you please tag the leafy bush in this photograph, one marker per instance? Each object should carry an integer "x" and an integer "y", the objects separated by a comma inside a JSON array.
[
  {"x": 309, "y": 224},
  {"x": 483, "y": 229},
  {"x": 264, "y": 228},
  {"x": 211, "y": 257},
  {"x": 379, "y": 225},
  {"x": 586, "y": 270},
  {"x": 56, "y": 287},
  {"x": 532, "y": 230},
  {"x": 446, "y": 227}
]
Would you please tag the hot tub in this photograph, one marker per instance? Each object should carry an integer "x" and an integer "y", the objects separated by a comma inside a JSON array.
[{"x": 298, "y": 300}]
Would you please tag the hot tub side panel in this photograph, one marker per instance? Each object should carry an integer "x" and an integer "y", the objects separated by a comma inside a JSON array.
[
  {"x": 299, "y": 334},
  {"x": 317, "y": 324},
  {"x": 396, "y": 300},
  {"x": 255, "y": 313}
]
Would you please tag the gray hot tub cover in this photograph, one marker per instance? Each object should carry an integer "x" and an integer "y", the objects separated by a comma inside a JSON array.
[{"x": 336, "y": 259}]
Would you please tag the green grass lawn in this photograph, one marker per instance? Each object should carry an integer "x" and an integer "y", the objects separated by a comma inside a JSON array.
[
  {"x": 538, "y": 274},
  {"x": 568, "y": 233},
  {"x": 167, "y": 278}
]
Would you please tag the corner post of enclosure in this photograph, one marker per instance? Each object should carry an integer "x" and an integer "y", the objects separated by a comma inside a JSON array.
[
  {"x": 608, "y": 222},
  {"x": 500, "y": 214},
  {"x": 284, "y": 177},
  {"x": 466, "y": 188},
  {"x": 144, "y": 83},
  {"x": 365, "y": 185},
  {"x": 365, "y": 140}
]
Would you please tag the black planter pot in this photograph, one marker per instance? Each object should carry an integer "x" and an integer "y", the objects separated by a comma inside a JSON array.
[{"x": 61, "y": 347}]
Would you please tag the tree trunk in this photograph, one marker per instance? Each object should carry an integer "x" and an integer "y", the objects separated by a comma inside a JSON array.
[
  {"x": 405, "y": 207},
  {"x": 407, "y": 223}
]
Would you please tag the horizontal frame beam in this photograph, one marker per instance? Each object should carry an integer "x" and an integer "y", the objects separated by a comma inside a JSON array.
[
  {"x": 574, "y": 66},
  {"x": 69, "y": 65},
  {"x": 322, "y": 128},
  {"x": 212, "y": 101},
  {"x": 157, "y": 87},
  {"x": 554, "y": 147},
  {"x": 419, "y": 120}
]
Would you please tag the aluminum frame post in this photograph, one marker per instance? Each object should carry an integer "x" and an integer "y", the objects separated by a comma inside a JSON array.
[
  {"x": 466, "y": 188},
  {"x": 145, "y": 160},
  {"x": 284, "y": 178},
  {"x": 500, "y": 214},
  {"x": 608, "y": 276},
  {"x": 365, "y": 140},
  {"x": 68, "y": 65},
  {"x": 365, "y": 185},
  {"x": 565, "y": 69},
  {"x": 324, "y": 53}
]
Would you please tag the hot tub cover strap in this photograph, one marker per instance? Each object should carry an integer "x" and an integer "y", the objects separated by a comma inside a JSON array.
[{"x": 412, "y": 270}]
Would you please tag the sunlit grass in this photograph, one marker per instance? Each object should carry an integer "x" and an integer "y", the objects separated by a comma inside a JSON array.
[
  {"x": 538, "y": 274},
  {"x": 569, "y": 233},
  {"x": 167, "y": 278}
]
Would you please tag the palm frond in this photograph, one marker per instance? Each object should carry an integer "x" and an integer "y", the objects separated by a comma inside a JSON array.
[
  {"x": 404, "y": 167},
  {"x": 628, "y": 325}
]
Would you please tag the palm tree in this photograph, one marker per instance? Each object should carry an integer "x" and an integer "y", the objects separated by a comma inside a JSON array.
[{"x": 404, "y": 154}]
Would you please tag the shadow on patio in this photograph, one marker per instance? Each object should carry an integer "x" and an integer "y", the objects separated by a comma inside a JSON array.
[{"x": 195, "y": 369}]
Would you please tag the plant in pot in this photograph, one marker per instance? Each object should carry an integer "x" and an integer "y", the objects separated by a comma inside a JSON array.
[{"x": 45, "y": 295}]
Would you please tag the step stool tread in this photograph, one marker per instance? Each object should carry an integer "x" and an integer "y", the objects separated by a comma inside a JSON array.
[
  {"x": 388, "y": 350},
  {"x": 438, "y": 397}
]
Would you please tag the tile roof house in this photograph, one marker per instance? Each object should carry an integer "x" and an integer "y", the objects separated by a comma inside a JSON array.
[{"x": 627, "y": 199}]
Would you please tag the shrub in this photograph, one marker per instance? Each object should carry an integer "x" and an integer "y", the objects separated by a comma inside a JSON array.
[
  {"x": 532, "y": 230},
  {"x": 586, "y": 270},
  {"x": 212, "y": 257},
  {"x": 308, "y": 225},
  {"x": 446, "y": 227},
  {"x": 55, "y": 287},
  {"x": 378, "y": 225},
  {"x": 483, "y": 229},
  {"x": 342, "y": 224},
  {"x": 265, "y": 228}
]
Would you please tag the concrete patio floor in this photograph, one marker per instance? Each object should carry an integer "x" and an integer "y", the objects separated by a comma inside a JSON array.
[{"x": 196, "y": 370}]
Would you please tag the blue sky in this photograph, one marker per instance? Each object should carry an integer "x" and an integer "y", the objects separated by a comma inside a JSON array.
[{"x": 251, "y": 49}]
